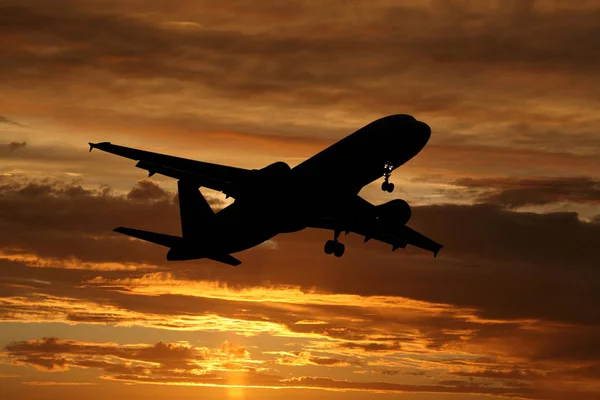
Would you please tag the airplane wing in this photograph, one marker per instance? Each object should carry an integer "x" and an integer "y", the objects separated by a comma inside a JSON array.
[
  {"x": 228, "y": 180},
  {"x": 397, "y": 237}
]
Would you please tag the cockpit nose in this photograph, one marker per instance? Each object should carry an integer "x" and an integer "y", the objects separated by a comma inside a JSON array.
[
  {"x": 406, "y": 132},
  {"x": 423, "y": 131},
  {"x": 418, "y": 133}
]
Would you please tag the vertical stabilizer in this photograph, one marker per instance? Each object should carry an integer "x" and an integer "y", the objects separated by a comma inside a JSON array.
[{"x": 196, "y": 214}]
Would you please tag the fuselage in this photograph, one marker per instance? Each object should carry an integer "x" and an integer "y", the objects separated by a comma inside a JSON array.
[{"x": 324, "y": 185}]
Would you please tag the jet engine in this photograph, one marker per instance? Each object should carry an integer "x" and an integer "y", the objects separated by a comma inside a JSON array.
[{"x": 396, "y": 212}]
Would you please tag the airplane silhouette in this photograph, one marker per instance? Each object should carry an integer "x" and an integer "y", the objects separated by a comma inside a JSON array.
[{"x": 279, "y": 199}]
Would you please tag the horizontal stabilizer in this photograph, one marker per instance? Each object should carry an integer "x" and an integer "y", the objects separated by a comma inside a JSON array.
[
  {"x": 158, "y": 238},
  {"x": 226, "y": 259}
]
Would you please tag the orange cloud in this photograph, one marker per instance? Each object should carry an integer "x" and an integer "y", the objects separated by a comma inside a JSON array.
[
  {"x": 53, "y": 383},
  {"x": 53, "y": 354},
  {"x": 168, "y": 363}
]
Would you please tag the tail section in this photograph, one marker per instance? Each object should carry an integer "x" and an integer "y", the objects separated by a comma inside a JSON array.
[
  {"x": 197, "y": 219},
  {"x": 196, "y": 214}
]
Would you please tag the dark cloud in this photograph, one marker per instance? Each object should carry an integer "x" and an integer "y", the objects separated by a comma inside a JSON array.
[
  {"x": 147, "y": 190},
  {"x": 9, "y": 149},
  {"x": 451, "y": 158},
  {"x": 451, "y": 387},
  {"x": 395, "y": 372},
  {"x": 590, "y": 371},
  {"x": 373, "y": 347},
  {"x": 447, "y": 40},
  {"x": 306, "y": 358},
  {"x": 64, "y": 219},
  {"x": 389, "y": 372},
  {"x": 12, "y": 146},
  {"x": 4, "y": 120},
  {"x": 512, "y": 374},
  {"x": 516, "y": 192},
  {"x": 488, "y": 252},
  {"x": 375, "y": 59},
  {"x": 52, "y": 354}
]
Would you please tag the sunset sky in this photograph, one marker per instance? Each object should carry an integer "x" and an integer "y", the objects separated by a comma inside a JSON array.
[{"x": 509, "y": 183}]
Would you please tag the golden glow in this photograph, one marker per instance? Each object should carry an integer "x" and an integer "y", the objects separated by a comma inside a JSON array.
[
  {"x": 235, "y": 386},
  {"x": 164, "y": 283},
  {"x": 32, "y": 260}
]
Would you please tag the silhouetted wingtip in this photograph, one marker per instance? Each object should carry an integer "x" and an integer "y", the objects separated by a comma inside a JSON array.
[
  {"x": 96, "y": 145},
  {"x": 435, "y": 252}
]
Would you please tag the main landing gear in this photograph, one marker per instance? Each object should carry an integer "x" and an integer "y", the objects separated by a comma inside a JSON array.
[
  {"x": 334, "y": 247},
  {"x": 387, "y": 186}
]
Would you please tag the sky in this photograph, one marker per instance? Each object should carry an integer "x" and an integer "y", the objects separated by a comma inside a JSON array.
[{"x": 509, "y": 183}]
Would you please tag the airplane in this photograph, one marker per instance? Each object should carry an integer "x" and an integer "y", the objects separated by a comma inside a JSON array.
[{"x": 321, "y": 192}]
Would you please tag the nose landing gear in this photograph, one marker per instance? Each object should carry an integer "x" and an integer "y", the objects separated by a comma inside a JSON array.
[
  {"x": 334, "y": 247},
  {"x": 387, "y": 186}
]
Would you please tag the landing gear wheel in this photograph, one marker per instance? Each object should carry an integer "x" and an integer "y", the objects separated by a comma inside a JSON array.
[
  {"x": 339, "y": 249},
  {"x": 329, "y": 247},
  {"x": 386, "y": 186}
]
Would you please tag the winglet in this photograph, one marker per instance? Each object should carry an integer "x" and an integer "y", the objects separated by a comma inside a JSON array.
[
  {"x": 436, "y": 251},
  {"x": 95, "y": 145}
]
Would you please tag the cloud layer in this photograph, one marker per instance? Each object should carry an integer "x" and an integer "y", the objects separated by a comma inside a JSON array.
[{"x": 457, "y": 315}]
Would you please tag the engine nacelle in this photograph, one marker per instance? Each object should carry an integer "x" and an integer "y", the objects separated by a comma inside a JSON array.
[{"x": 396, "y": 212}]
